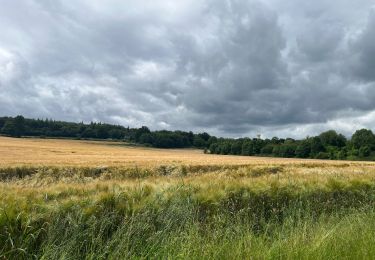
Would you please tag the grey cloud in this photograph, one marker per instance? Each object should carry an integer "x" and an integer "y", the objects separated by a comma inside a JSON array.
[
  {"x": 364, "y": 50},
  {"x": 228, "y": 67},
  {"x": 245, "y": 61}
]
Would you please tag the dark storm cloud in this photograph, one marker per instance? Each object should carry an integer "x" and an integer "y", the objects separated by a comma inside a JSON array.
[
  {"x": 231, "y": 67},
  {"x": 364, "y": 49}
]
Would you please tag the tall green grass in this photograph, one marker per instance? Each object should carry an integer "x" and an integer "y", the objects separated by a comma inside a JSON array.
[{"x": 231, "y": 218}]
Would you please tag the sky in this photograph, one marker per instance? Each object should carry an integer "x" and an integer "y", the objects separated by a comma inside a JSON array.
[{"x": 286, "y": 68}]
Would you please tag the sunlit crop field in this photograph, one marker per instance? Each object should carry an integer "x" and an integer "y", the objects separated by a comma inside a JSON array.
[
  {"x": 90, "y": 199},
  {"x": 56, "y": 152}
]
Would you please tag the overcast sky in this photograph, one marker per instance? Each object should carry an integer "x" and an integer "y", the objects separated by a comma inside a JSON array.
[{"x": 231, "y": 68}]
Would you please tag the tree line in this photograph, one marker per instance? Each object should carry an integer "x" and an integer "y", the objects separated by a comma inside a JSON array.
[
  {"x": 327, "y": 145},
  {"x": 19, "y": 126}
]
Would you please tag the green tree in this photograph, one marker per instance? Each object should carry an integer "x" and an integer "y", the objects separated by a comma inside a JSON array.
[
  {"x": 2, "y": 121},
  {"x": 267, "y": 149},
  {"x": 199, "y": 142},
  {"x": 276, "y": 150},
  {"x": 332, "y": 151},
  {"x": 316, "y": 146},
  {"x": 332, "y": 138},
  {"x": 14, "y": 127},
  {"x": 116, "y": 134},
  {"x": 89, "y": 133},
  {"x": 146, "y": 138},
  {"x": 247, "y": 147},
  {"x": 204, "y": 136},
  {"x": 303, "y": 149},
  {"x": 363, "y": 137},
  {"x": 257, "y": 145},
  {"x": 214, "y": 148},
  {"x": 102, "y": 132},
  {"x": 225, "y": 147},
  {"x": 9, "y": 128},
  {"x": 342, "y": 154},
  {"x": 322, "y": 155},
  {"x": 287, "y": 150},
  {"x": 140, "y": 131},
  {"x": 211, "y": 140},
  {"x": 364, "y": 151},
  {"x": 236, "y": 147},
  {"x": 19, "y": 123}
]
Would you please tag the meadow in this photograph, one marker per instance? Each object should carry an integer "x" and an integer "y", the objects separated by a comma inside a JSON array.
[{"x": 76, "y": 199}]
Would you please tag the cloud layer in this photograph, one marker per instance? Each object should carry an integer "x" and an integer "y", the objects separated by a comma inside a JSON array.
[{"x": 232, "y": 68}]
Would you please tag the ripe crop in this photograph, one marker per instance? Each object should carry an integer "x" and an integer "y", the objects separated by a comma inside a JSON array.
[{"x": 91, "y": 199}]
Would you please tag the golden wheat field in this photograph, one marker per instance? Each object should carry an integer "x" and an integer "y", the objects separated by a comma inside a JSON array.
[
  {"x": 57, "y": 152},
  {"x": 81, "y": 199},
  {"x": 30, "y": 152}
]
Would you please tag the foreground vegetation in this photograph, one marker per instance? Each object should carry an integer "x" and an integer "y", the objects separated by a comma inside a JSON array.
[
  {"x": 327, "y": 145},
  {"x": 182, "y": 212},
  {"x": 180, "y": 205}
]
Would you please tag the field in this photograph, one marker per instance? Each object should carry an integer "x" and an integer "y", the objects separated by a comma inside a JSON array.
[{"x": 76, "y": 199}]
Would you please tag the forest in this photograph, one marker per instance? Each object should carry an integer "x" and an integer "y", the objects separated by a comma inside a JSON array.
[{"x": 327, "y": 145}]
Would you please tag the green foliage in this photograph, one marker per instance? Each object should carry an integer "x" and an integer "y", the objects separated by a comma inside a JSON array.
[
  {"x": 186, "y": 221},
  {"x": 287, "y": 149},
  {"x": 236, "y": 147},
  {"x": 247, "y": 147},
  {"x": 146, "y": 138},
  {"x": 204, "y": 136},
  {"x": 332, "y": 138},
  {"x": 322, "y": 155},
  {"x": 341, "y": 154},
  {"x": 303, "y": 149},
  {"x": 316, "y": 146},
  {"x": 267, "y": 149},
  {"x": 363, "y": 137},
  {"x": 139, "y": 132},
  {"x": 364, "y": 151},
  {"x": 14, "y": 126},
  {"x": 9, "y": 128},
  {"x": 199, "y": 141},
  {"x": 19, "y": 126},
  {"x": 327, "y": 145}
]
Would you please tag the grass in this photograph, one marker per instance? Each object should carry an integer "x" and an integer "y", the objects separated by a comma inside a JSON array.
[{"x": 110, "y": 202}]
